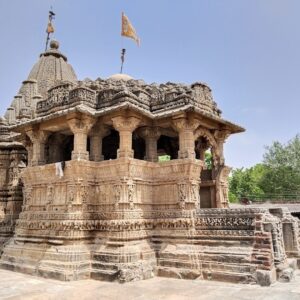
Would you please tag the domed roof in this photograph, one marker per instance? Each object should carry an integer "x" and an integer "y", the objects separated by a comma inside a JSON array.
[
  {"x": 51, "y": 67},
  {"x": 120, "y": 76}
]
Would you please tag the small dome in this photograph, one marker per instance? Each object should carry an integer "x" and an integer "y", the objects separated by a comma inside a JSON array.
[
  {"x": 51, "y": 68},
  {"x": 120, "y": 76}
]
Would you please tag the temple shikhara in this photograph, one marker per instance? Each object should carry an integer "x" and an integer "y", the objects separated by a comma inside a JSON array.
[{"x": 108, "y": 179}]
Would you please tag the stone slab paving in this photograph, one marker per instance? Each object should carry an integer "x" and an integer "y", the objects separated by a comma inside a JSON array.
[{"x": 19, "y": 286}]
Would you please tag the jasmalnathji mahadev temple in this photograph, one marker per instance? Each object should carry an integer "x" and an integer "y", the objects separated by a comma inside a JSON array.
[{"x": 84, "y": 193}]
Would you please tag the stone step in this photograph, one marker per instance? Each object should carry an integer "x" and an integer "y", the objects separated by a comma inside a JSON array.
[
  {"x": 179, "y": 273},
  {"x": 103, "y": 266},
  {"x": 195, "y": 264}
]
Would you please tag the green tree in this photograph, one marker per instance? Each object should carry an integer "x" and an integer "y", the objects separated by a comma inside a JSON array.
[
  {"x": 282, "y": 164},
  {"x": 246, "y": 182},
  {"x": 208, "y": 159},
  {"x": 277, "y": 176}
]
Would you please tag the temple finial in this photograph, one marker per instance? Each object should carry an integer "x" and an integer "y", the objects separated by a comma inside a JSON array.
[{"x": 50, "y": 28}]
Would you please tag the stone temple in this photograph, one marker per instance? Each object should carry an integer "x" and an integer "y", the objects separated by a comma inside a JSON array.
[{"x": 84, "y": 193}]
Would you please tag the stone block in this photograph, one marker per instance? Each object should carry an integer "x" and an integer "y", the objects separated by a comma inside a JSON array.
[
  {"x": 265, "y": 278},
  {"x": 286, "y": 275}
]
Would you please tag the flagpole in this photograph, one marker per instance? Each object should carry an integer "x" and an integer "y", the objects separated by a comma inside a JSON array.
[
  {"x": 127, "y": 30},
  {"x": 123, "y": 51},
  {"x": 50, "y": 18},
  {"x": 47, "y": 40}
]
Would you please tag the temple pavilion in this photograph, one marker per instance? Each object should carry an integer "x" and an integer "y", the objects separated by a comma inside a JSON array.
[{"x": 110, "y": 179}]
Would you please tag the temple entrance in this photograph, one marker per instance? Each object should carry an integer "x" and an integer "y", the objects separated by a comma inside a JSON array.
[{"x": 205, "y": 197}]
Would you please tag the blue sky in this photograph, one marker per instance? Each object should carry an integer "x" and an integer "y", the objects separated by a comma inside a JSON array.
[{"x": 248, "y": 51}]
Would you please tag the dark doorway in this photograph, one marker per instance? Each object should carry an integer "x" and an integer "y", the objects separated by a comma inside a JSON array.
[
  {"x": 205, "y": 197},
  {"x": 168, "y": 146},
  {"x": 67, "y": 148},
  {"x": 138, "y": 146},
  {"x": 110, "y": 145}
]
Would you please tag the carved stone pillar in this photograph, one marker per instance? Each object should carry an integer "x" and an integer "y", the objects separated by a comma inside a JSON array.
[
  {"x": 125, "y": 127},
  {"x": 221, "y": 137},
  {"x": 150, "y": 135},
  {"x": 186, "y": 129},
  {"x": 29, "y": 150},
  {"x": 80, "y": 126},
  {"x": 38, "y": 139},
  {"x": 96, "y": 136},
  {"x": 222, "y": 200}
]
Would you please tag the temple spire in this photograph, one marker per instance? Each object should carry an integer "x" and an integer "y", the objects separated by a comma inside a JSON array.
[{"x": 50, "y": 28}]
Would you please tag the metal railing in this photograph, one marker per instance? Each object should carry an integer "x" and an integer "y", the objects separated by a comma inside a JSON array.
[{"x": 275, "y": 198}]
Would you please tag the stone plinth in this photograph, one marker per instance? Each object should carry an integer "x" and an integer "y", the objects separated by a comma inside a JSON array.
[
  {"x": 128, "y": 219},
  {"x": 97, "y": 220}
]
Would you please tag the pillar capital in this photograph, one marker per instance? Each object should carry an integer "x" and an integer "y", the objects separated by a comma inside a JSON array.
[
  {"x": 150, "y": 135},
  {"x": 125, "y": 126},
  {"x": 183, "y": 124},
  {"x": 38, "y": 138},
  {"x": 221, "y": 135},
  {"x": 80, "y": 125},
  {"x": 186, "y": 128},
  {"x": 98, "y": 132},
  {"x": 149, "y": 132},
  {"x": 36, "y": 135},
  {"x": 123, "y": 123}
]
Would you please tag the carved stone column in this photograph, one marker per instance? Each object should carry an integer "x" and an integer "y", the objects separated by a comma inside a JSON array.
[
  {"x": 151, "y": 135},
  {"x": 125, "y": 127},
  {"x": 38, "y": 139},
  {"x": 221, "y": 137},
  {"x": 80, "y": 126},
  {"x": 96, "y": 136},
  {"x": 222, "y": 200},
  {"x": 186, "y": 129}
]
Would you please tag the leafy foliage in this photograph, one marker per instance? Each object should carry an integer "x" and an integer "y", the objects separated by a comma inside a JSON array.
[
  {"x": 208, "y": 159},
  {"x": 282, "y": 167},
  {"x": 278, "y": 175},
  {"x": 244, "y": 182}
]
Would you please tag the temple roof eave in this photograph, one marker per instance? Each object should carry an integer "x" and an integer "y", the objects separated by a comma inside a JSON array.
[{"x": 233, "y": 128}]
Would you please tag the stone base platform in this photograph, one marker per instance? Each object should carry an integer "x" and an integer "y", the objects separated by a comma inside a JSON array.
[{"x": 118, "y": 220}]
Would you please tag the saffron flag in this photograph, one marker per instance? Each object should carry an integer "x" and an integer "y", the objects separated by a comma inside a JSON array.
[
  {"x": 128, "y": 30},
  {"x": 50, "y": 28}
]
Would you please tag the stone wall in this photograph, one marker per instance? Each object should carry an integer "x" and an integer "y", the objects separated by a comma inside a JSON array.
[
  {"x": 12, "y": 162},
  {"x": 128, "y": 219}
]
